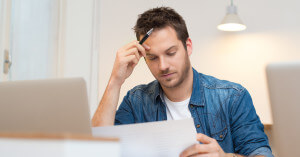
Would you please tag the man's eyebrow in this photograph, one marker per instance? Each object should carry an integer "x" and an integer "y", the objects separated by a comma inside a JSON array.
[
  {"x": 149, "y": 54},
  {"x": 174, "y": 46},
  {"x": 170, "y": 48}
]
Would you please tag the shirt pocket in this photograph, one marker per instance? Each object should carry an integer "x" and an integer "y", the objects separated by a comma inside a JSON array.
[
  {"x": 217, "y": 126},
  {"x": 220, "y": 136}
]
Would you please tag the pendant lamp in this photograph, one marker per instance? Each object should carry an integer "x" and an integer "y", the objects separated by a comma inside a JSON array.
[{"x": 231, "y": 21}]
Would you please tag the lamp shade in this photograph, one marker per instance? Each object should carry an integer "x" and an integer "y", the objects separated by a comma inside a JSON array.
[{"x": 231, "y": 21}]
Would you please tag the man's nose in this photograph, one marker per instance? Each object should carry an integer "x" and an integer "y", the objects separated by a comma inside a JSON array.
[{"x": 163, "y": 64}]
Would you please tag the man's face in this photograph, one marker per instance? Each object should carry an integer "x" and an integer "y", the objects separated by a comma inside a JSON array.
[{"x": 167, "y": 58}]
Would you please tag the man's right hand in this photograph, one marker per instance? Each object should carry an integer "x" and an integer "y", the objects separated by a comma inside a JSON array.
[{"x": 126, "y": 59}]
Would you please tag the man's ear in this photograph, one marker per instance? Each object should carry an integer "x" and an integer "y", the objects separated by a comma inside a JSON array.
[{"x": 189, "y": 46}]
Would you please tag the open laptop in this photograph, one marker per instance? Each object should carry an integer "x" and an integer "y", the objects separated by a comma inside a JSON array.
[
  {"x": 44, "y": 106},
  {"x": 284, "y": 88}
]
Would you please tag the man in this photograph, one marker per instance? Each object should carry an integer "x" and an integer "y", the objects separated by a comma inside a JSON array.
[{"x": 223, "y": 112}]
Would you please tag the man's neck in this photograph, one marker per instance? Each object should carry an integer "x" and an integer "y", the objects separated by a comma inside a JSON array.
[{"x": 183, "y": 91}]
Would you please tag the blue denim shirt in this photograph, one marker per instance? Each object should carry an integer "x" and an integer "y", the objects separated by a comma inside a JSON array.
[{"x": 221, "y": 109}]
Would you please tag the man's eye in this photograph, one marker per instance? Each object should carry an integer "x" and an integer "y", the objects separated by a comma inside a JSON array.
[
  {"x": 172, "y": 54},
  {"x": 152, "y": 58}
]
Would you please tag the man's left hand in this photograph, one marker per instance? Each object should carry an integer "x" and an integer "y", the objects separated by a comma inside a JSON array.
[{"x": 209, "y": 148}]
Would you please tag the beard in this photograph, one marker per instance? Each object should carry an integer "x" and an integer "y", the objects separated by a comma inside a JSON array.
[{"x": 176, "y": 82}]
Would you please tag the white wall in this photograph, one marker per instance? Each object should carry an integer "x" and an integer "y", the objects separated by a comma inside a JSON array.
[
  {"x": 272, "y": 35},
  {"x": 77, "y": 53},
  {"x": 78, "y": 38}
]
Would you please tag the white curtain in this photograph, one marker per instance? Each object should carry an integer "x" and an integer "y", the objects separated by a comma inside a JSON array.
[{"x": 33, "y": 35}]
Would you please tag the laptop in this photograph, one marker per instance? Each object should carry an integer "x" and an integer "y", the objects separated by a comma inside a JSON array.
[
  {"x": 52, "y": 106},
  {"x": 284, "y": 89}
]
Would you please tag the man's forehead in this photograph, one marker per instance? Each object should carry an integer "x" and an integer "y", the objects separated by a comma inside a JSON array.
[
  {"x": 161, "y": 40},
  {"x": 162, "y": 33}
]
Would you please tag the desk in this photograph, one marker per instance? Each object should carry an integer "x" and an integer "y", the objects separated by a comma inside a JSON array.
[{"x": 54, "y": 145}]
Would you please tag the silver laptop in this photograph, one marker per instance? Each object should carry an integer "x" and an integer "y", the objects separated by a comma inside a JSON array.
[
  {"x": 284, "y": 88},
  {"x": 44, "y": 106}
]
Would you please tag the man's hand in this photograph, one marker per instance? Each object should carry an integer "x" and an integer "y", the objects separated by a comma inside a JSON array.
[
  {"x": 126, "y": 59},
  {"x": 209, "y": 148}
]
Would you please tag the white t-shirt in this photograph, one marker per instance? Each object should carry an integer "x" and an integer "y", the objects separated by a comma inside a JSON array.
[{"x": 177, "y": 110}]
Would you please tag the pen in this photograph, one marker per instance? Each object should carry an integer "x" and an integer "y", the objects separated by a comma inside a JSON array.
[{"x": 146, "y": 36}]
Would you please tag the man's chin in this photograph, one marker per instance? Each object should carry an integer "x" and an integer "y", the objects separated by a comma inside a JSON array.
[{"x": 168, "y": 84}]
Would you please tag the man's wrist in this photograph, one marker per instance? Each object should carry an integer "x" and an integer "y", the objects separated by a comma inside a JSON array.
[{"x": 115, "y": 82}]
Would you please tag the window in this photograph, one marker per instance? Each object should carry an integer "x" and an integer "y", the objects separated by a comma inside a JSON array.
[
  {"x": 33, "y": 37},
  {"x": 49, "y": 39}
]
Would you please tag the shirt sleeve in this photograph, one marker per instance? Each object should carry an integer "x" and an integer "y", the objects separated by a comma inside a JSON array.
[
  {"x": 124, "y": 113},
  {"x": 265, "y": 151},
  {"x": 246, "y": 128}
]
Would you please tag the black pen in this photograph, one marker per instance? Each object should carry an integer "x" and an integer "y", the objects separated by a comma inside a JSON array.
[{"x": 146, "y": 36}]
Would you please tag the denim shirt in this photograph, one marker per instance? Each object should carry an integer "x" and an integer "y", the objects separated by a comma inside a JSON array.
[{"x": 221, "y": 109}]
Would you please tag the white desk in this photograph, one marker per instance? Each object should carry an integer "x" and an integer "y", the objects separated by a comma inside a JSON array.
[{"x": 47, "y": 145}]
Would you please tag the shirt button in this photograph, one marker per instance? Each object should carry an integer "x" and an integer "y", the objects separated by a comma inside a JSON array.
[{"x": 197, "y": 125}]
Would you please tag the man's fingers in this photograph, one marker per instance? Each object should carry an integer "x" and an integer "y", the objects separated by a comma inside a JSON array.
[
  {"x": 146, "y": 47},
  {"x": 204, "y": 139},
  {"x": 192, "y": 150},
  {"x": 131, "y": 59},
  {"x": 196, "y": 155},
  {"x": 142, "y": 49},
  {"x": 200, "y": 155},
  {"x": 133, "y": 51},
  {"x": 209, "y": 146},
  {"x": 130, "y": 45},
  {"x": 195, "y": 149}
]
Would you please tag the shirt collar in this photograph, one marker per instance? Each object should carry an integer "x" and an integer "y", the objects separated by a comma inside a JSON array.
[
  {"x": 157, "y": 91},
  {"x": 197, "y": 97}
]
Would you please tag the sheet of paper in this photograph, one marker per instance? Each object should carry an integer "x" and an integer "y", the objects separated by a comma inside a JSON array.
[{"x": 153, "y": 139}]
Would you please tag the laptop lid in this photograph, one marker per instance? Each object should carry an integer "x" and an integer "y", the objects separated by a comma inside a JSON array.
[
  {"x": 284, "y": 89},
  {"x": 44, "y": 106}
]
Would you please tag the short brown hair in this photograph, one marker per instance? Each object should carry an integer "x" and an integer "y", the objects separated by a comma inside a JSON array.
[{"x": 161, "y": 17}]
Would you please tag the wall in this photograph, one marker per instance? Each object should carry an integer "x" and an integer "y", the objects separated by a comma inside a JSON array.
[
  {"x": 272, "y": 35},
  {"x": 78, "y": 48},
  {"x": 77, "y": 38}
]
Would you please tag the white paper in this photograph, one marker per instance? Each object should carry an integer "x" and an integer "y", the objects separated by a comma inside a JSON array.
[{"x": 153, "y": 139}]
